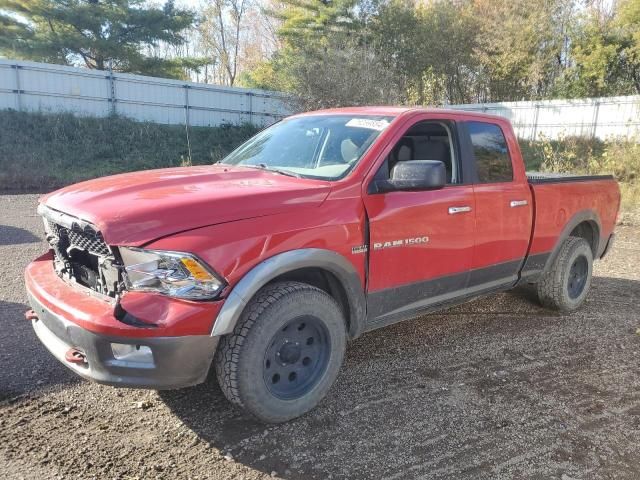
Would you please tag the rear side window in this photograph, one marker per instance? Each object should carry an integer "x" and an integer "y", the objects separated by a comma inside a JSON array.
[{"x": 490, "y": 150}]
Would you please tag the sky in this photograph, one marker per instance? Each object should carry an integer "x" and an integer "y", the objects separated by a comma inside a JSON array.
[
  {"x": 197, "y": 3},
  {"x": 180, "y": 3},
  {"x": 189, "y": 3}
]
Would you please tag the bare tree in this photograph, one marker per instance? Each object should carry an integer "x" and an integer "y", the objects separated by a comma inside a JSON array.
[
  {"x": 343, "y": 74},
  {"x": 221, "y": 32}
]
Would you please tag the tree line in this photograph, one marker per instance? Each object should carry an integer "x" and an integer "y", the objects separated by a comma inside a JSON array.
[{"x": 340, "y": 52}]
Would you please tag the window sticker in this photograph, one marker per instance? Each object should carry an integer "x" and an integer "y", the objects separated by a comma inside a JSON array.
[{"x": 369, "y": 123}]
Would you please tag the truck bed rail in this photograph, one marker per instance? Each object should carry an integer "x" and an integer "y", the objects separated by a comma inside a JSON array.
[{"x": 544, "y": 177}]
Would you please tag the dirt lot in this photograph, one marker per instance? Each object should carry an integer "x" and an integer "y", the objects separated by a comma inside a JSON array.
[{"x": 497, "y": 388}]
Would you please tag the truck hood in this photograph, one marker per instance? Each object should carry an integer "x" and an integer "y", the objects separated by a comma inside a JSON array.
[{"x": 136, "y": 208}]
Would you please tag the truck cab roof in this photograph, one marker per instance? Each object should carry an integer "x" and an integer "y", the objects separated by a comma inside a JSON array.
[{"x": 394, "y": 111}]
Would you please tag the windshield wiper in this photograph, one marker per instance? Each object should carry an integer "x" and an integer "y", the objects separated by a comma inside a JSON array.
[
  {"x": 263, "y": 166},
  {"x": 288, "y": 173}
]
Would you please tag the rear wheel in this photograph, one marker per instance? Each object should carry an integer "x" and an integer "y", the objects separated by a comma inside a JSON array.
[
  {"x": 285, "y": 352},
  {"x": 565, "y": 285}
]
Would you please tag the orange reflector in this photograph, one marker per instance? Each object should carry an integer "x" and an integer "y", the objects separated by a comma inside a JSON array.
[{"x": 196, "y": 270}]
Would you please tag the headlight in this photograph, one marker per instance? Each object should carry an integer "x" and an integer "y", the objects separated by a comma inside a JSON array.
[{"x": 175, "y": 274}]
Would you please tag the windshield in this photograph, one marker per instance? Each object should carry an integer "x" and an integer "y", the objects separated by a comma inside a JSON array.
[{"x": 316, "y": 146}]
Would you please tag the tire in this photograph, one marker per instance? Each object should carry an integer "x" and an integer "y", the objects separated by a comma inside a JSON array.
[
  {"x": 284, "y": 353},
  {"x": 566, "y": 284}
]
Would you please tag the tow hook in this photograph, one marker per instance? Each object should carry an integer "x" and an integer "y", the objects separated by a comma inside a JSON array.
[
  {"x": 30, "y": 315},
  {"x": 76, "y": 356}
]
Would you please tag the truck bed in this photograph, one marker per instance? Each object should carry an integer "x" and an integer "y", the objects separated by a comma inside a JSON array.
[
  {"x": 562, "y": 202},
  {"x": 545, "y": 177}
]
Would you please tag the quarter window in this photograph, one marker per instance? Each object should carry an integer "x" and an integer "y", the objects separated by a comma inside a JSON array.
[{"x": 491, "y": 154}]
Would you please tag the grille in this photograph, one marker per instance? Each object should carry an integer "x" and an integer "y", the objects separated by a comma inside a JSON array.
[
  {"x": 93, "y": 244},
  {"x": 89, "y": 242}
]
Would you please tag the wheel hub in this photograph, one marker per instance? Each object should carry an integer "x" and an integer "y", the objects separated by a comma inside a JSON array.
[
  {"x": 289, "y": 352},
  {"x": 578, "y": 275},
  {"x": 296, "y": 357}
]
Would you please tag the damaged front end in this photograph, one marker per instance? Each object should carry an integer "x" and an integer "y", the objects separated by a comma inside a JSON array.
[{"x": 81, "y": 254}]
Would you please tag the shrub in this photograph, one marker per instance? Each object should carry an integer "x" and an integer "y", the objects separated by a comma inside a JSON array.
[{"x": 617, "y": 156}]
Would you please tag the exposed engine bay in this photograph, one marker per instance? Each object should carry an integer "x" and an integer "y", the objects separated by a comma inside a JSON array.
[{"x": 81, "y": 254}]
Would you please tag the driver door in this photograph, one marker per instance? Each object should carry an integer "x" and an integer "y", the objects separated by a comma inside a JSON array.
[{"x": 421, "y": 242}]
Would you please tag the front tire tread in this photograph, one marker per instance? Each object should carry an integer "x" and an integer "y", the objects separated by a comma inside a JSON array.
[{"x": 230, "y": 349}]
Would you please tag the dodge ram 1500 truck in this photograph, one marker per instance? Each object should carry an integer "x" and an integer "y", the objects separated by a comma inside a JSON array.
[{"x": 322, "y": 227}]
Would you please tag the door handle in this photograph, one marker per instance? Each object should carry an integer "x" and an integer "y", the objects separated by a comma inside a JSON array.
[
  {"x": 454, "y": 210},
  {"x": 518, "y": 203}
]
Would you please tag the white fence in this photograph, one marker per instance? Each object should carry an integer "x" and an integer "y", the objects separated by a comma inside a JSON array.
[
  {"x": 34, "y": 86},
  {"x": 31, "y": 86},
  {"x": 590, "y": 117}
]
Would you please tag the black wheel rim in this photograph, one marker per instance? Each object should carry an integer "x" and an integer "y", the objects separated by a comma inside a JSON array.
[
  {"x": 296, "y": 357},
  {"x": 578, "y": 277}
]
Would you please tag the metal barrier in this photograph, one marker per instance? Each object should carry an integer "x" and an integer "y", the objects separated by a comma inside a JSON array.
[
  {"x": 588, "y": 117},
  {"x": 31, "y": 86}
]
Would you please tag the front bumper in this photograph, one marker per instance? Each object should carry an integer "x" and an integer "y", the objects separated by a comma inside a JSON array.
[{"x": 67, "y": 319}]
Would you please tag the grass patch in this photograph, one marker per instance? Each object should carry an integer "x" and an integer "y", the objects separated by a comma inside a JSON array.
[{"x": 40, "y": 152}]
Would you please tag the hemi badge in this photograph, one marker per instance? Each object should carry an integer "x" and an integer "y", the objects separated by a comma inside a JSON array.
[{"x": 359, "y": 249}]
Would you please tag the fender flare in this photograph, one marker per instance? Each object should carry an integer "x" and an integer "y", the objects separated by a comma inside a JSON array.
[
  {"x": 577, "y": 219},
  {"x": 282, "y": 263}
]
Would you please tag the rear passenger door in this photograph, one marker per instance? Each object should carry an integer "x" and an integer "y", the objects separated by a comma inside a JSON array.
[{"x": 503, "y": 207}]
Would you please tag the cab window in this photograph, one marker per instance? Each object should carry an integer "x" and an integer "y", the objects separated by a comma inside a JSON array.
[
  {"x": 427, "y": 140},
  {"x": 493, "y": 163}
]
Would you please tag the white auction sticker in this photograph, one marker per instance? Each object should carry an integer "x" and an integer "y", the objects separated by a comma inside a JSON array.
[{"x": 368, "y": 123}]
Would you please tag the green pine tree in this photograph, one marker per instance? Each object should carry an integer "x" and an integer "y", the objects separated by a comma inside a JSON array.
[
  {"x": 95, "y": 33},
  {"x": 311, "y": 22}
]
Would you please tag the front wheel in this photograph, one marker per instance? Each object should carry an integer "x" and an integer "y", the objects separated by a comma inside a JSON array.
[
  {"x": 565, "y": 285},
  {"x": 285, "y": 352}
]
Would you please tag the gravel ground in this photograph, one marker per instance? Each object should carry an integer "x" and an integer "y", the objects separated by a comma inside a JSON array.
[{"x": 496, "y": 388}]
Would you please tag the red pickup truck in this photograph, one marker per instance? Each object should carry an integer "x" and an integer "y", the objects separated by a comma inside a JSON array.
[{"x": 322, "y": 227}]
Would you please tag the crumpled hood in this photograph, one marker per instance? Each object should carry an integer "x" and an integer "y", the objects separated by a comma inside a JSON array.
[{"x": 136, "y": 208}]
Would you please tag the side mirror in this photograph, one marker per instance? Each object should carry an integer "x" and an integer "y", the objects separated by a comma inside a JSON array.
[{"x": 413, "y": 175}]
